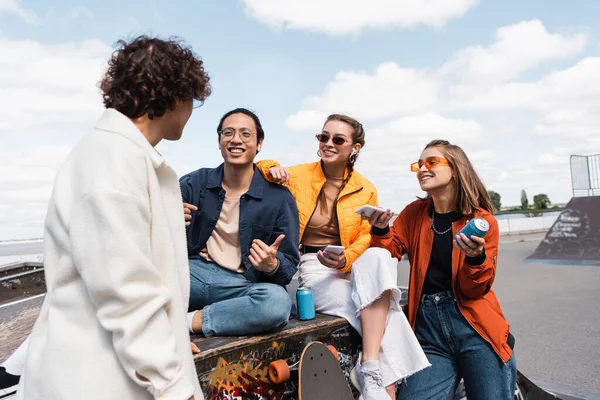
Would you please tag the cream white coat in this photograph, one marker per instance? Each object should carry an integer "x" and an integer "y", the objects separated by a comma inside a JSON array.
[{"x": 113, "y": 323}]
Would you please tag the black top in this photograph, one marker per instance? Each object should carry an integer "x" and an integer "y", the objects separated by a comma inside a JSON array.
[{"x": 439, "y": 272}]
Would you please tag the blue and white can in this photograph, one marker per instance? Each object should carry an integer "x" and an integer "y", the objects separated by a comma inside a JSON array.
[
  {"x": 306, "y": 303},
  {"x": 475, "y": 227}
]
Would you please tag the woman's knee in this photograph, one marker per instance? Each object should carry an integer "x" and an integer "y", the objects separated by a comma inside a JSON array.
[
  {"x": 375, "y": 264},
  {"x": 374, "y": 257}
]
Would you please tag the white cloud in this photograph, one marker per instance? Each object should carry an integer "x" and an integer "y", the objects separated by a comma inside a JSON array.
[
  {"x": 48, "y": 94},
  {"x": 341, "y": 17},
  {"x": 305, "y": 120},
  {"x": 48, "y": 84},
  {"x": 371, "y": 96},
  {"x": 517, "y": 48},
  {"x": 516, "y": 133},
  {"x": 568, "y": 101},
  {"x": 26, "y": 178},
  {"x": 13, "y": 7},
  {"x": 392, "y": 147},
  {"x": 393, "y": 90}
]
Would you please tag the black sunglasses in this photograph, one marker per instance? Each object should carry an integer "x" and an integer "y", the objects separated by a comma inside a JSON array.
[{"x": 337, "y": 140}]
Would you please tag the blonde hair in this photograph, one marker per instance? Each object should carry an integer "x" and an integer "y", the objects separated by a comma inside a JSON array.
[{"x": 471, "y": 194}]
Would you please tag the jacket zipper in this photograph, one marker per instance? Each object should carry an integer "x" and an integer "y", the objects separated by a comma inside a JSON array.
[{"x": 338, "y": 214}]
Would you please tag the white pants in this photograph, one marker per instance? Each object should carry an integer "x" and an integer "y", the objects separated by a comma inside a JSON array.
[{"x": 345, "y": 295}]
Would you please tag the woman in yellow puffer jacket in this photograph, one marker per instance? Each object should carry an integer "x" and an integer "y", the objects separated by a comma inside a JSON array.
[{"x": 360, "y": 283}]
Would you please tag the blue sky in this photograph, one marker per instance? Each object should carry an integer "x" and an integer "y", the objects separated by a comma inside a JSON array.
[{"x": 512, "y": 82}]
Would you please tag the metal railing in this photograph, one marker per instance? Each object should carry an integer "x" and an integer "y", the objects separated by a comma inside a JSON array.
[{"x": 585, "y": 175}]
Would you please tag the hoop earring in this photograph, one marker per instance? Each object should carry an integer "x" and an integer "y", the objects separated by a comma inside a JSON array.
[
  {"x": 352, "y": 159},
  {"x": 319, "y": 153}
]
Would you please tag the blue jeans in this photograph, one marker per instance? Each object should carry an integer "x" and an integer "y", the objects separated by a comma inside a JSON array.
[
  {"x": 232, "y": 305},
  {"x": 455, "y": 350}
]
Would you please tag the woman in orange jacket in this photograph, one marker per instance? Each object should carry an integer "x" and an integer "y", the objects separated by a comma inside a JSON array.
[
  {"x": 358, "y": 284},
  {"x": 455, "y": 313}
]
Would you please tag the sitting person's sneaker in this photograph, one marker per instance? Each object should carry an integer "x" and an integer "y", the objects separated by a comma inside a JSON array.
[
  {"x": 8, "y": 382},
  {"x": 366, "y": 378}
]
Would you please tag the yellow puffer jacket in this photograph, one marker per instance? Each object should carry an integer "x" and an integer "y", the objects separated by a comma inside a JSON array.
[{"x": 306, "y": 181}]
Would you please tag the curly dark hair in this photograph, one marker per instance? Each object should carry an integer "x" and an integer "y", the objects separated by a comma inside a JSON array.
[{"x": 149, "y": 75}]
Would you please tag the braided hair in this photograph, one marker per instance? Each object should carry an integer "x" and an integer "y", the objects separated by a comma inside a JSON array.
[{"x": 358, "y": 136}]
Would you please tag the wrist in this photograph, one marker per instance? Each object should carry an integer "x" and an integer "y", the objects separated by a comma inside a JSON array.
[
  {"x": 476, "y": 260},
  {"x": 274, "y": 266},
  {"x": 380, "y": 231}
]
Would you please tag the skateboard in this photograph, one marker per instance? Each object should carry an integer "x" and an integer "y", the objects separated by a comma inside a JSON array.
[{"x": 319, "y": 374}]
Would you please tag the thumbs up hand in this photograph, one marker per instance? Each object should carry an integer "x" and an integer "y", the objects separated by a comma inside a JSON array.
[{"x": 263, "y": 257}]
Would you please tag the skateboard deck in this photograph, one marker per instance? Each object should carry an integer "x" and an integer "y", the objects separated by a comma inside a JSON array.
[{"x": 320, "y": 375}]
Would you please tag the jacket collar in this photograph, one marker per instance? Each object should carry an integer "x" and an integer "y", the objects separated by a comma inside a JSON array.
[
  {"x": 353, "y": 185},
  {"x": 115, "y": 122},
  {"x": 257, "y": 185}
]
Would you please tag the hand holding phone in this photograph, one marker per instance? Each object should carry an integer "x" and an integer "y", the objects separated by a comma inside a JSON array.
[
  {"x": 334, "y": 249},
  {"x": 368, "y": 210},
  {"x": 332, "y": 256}
]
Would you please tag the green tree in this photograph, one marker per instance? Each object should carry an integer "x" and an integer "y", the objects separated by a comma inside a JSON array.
[
  {"x": 495, "y": 196},
  {"x": 524, "y": 201},
  {"x": 541, "y": 201}
]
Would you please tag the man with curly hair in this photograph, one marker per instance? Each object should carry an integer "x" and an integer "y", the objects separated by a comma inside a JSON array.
[{"x": 113, "y": 323}]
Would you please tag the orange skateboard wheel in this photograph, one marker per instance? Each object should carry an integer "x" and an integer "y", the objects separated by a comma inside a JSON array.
[
  {"x": 279, "y": 371},
  {"x": 333, "y": 351}
]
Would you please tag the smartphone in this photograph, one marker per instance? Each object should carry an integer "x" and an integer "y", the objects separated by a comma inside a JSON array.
[
  {"x": 368, "y": 210},
  {"x": 335, "y": 249}
]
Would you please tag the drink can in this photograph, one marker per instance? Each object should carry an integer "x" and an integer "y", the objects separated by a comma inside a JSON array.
[
  {"x": 306, "y": 303},
  {"x": 475, "y": 227}
]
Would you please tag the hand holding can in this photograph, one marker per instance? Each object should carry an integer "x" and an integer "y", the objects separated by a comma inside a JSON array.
[{"x": 475, "y": 227}]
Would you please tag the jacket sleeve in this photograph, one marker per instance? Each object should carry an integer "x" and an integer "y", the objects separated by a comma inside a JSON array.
[
  {"x": 295, "y": 171},
  {"x": 111, "y": 247},
  {"x": 394, "y": 239},
  {"x": 264, "y": 165},
  {"x": 363, "y": 240},
  {"x": 185, "y": 185},
  {"x": 287, "y": 223},
  {"x": 476, "y": 275}
]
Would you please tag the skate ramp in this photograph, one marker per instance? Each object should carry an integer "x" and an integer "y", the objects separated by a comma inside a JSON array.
[{"x": 574, "y": 239}]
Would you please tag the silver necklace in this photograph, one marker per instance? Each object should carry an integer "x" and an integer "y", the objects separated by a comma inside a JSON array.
[{"x": 433, "y": 226}]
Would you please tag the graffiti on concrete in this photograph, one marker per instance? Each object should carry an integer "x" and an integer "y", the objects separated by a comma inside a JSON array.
[{"x": 246, "y": 377}]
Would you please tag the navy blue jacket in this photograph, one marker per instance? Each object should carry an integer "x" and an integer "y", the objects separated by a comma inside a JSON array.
[{"x": 266, "y": 211}]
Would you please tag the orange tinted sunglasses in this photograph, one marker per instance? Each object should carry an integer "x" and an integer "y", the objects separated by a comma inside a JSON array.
[{"x": 429, "y": 163}]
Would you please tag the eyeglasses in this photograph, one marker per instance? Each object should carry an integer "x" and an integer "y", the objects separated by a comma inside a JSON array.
[
  {"x": 197, "y": 103},
  {"x": 429, "y": 163},
  {"x": 229, "y": 133},
  {"x": 337, "y": 140}
]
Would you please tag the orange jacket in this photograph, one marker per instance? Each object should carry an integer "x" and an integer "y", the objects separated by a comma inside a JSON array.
[
  {"x": 472, "y": 284},
  {"x": 306, "y": 182}
]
